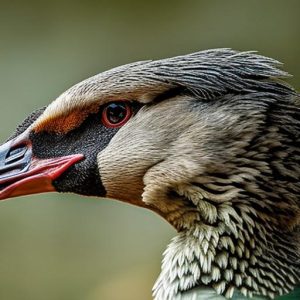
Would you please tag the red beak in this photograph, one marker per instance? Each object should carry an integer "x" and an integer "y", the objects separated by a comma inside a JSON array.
[{"x": 22, "y": 174}]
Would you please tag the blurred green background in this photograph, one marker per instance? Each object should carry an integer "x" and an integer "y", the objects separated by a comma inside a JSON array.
[{"x": 56, "y": 246}]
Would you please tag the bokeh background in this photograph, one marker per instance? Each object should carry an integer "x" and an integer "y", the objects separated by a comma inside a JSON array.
[{"x": 66, "y": 247}]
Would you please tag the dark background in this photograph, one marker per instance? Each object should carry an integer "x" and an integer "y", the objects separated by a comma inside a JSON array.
[{"x": 67, "y": 247}]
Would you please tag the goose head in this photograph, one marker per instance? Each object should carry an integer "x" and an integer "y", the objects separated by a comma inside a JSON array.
[{"x": 209, "y": 141}]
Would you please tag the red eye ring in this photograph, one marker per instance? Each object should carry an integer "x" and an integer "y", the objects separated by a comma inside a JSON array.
[{"x": 116, "y": 114}]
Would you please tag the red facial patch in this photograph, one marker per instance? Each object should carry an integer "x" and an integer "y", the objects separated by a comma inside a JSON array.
[{"x": 64, "y": 123}]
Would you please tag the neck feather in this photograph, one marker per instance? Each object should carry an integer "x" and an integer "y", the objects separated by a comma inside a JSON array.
[{"x": 229, "y": 251}]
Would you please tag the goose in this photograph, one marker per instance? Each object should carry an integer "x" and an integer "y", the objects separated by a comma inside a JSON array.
[{"x": 209, "y": 141}]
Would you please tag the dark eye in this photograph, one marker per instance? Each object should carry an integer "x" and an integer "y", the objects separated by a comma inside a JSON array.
[{"x": 116, "y": 114}]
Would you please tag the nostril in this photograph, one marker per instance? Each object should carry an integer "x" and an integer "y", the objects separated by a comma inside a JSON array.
[
  {"x": 15, "y": 154},
  {"x": 15, "y": 160}
]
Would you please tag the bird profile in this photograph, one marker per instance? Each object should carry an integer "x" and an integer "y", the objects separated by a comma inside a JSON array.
[{"x": 209, "y": 141}]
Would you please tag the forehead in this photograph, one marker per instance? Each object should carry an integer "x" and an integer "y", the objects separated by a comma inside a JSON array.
[{"x": 71, "y": 108}]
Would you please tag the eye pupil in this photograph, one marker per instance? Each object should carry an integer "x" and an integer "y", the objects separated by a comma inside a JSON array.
[{"x": 116, "y": 114}]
